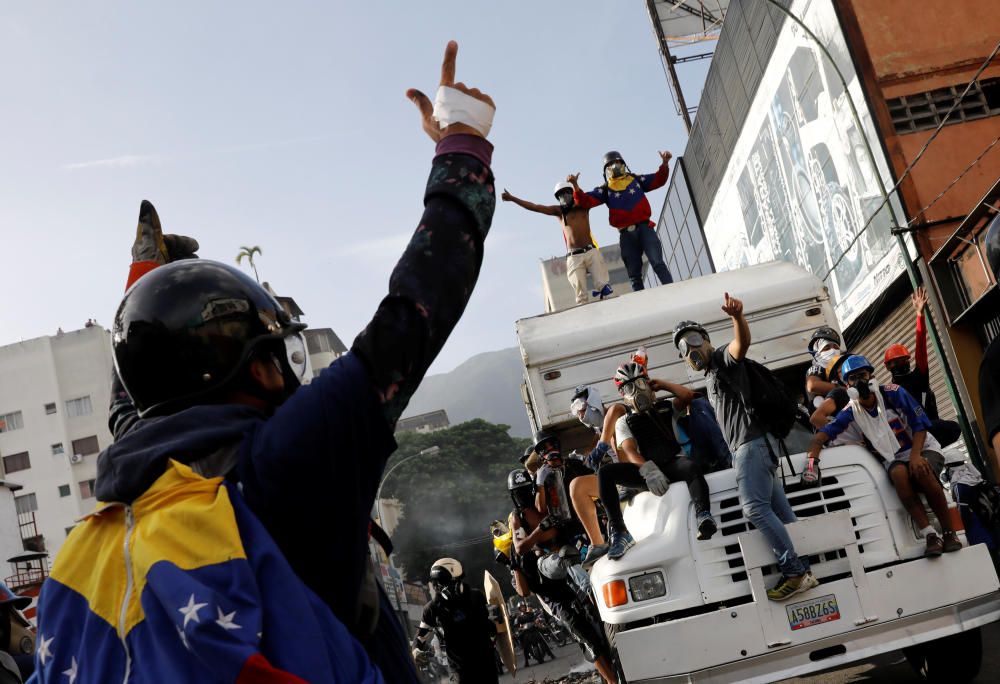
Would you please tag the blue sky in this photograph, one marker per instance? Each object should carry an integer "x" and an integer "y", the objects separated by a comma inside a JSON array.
[{"x": 284, "y": 125}]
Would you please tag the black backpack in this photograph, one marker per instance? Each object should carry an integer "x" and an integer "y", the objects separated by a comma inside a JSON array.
[{"x": 769, "y": 404}]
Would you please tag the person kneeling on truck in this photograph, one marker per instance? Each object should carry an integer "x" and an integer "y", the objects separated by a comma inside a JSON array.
[
  {"x": 735, "y": 385},
  {"x": 894, "y": 427},
  {"x": 650, "y": 454}
]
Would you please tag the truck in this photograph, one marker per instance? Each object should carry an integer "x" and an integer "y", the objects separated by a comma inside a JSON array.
[{"x": 676, "y": 609}]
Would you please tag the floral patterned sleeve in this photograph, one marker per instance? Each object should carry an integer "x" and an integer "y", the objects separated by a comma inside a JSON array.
[{"x": 433, "y": 280}]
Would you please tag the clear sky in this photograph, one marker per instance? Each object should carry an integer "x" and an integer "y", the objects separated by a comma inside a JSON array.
[{"x": 284, "y": 125}]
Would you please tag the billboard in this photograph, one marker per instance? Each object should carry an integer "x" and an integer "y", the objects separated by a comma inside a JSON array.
[{"x": 800, "y": 185}]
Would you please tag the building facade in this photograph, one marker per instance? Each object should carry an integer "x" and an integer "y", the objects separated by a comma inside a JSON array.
[
  {"x": 423, "y": 423},
  {"x": 53, "y": 423},
  {"x": 802, "y": 149}
]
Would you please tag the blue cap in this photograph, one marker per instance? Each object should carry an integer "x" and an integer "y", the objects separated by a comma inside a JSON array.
[{"x": 853, "y": 363}]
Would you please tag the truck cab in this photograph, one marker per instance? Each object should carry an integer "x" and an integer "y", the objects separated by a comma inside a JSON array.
[{"x": 679, "y": 609}]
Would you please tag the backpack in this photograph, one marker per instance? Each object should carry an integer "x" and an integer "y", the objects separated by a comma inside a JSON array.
[{"x": 769, "y": 405}]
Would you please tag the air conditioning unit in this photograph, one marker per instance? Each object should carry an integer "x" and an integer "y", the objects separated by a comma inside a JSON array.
[{"x": 76, "y": 458}]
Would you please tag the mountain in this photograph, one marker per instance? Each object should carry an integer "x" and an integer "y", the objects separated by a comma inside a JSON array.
[{"x": 486, "y": 386}]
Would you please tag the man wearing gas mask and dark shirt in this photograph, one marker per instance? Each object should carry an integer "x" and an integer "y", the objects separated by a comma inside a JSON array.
[
  {"x": 648, "y": 454},
  {"x": 459, "y": 615}
]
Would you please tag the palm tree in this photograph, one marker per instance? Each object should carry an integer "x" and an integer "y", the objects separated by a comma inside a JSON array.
[{"x": 248, "y": 254}]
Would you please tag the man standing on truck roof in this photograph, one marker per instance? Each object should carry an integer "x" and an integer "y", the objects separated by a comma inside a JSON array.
[
  {"x": 629, "y": 212},
  {"x": 760, "y": 490},
  {"x": 582, "y": 254},
  {"x": 916, "y": 379}
]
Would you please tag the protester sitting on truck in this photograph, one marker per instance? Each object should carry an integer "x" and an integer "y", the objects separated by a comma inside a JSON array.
[
  {"x": 836, "y": 399},
  {"x": 821, "y": 383},
  {"x": 649, "y": 454},
  {"x": 916, "y": 378},
  {"x": 728, "y": 383},
  {"x": 565, "y": 603},
  {"x": 582, "y": 254},
  {"x": 566, "y": 491},
  {"x": 698, "y": 432},
  {"x": 587, "y": 406},
  {"x": 895, "y": 428},
  {"x": 629, "y": 212}
]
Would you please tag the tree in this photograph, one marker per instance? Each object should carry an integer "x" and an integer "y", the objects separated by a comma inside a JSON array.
[
  {"x": 451, "y": 496},
  {"x": 248, "y": 253}
]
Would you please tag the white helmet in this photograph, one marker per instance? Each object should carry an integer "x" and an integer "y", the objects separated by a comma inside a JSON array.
[
  {"x": 452, "y": 566},
  {"x": 562, "y": 186}
]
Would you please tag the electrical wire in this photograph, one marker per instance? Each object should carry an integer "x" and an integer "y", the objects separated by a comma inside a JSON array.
[
  {"x": 957, "y": 178},
  {"x": 920, "y": 154}
]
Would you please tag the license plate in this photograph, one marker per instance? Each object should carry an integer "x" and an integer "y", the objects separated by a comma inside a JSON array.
[{"x": 813, "y": 612}]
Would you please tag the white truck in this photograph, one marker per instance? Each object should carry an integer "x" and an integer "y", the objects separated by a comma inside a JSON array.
[{"x": 681, "y": 610}]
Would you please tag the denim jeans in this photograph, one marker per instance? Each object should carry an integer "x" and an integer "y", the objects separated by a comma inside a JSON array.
[
  {"x": 634, "y": 243},
  {"x": 764, "y": 503}
]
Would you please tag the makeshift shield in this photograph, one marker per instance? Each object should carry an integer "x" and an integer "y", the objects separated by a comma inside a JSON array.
[{"x": 505, "y": 637}]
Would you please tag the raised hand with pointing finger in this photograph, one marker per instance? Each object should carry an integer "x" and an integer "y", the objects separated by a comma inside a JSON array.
[{"x": 456, "y": 108}]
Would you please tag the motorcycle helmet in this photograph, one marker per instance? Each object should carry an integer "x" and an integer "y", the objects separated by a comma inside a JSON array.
[{"x": 824, "y": 333}]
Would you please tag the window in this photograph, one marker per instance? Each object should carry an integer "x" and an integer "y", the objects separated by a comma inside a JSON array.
[
  {"x": 63, "y": 491},
  {"x": 26, "y": 503},
  {"x": 79, "y": 407},
  {"x": 86, "y": 445},
  {"x": 15, "y": 462},
  {"x": 86, "y": 489},
  {"x": 11, "y": 421},
  {"x": 924, "y": 111},
  {"x": 50, "y": 409},
  {"x": 58, "y": 449}
]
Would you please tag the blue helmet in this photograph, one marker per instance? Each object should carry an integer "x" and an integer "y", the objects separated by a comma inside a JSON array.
[{"x": 853, "y": 363}]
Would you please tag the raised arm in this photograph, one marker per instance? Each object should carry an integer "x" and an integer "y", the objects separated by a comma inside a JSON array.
[
  {"x": 652, "y": 181},
  {"x": 547, "y": 209},
  {"x": 919, "y": 299},
  {"x": 432, "y": 282},
  {"x": 586, "y": 200},
  {"x": 682, "y": 395},
  {"x": 733, "y": 308}
]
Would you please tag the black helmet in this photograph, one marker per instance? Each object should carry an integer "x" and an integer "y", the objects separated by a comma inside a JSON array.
[
  {"x": 186, "y": 331},
  {"x": 991, "y": 242},
  {"x": 824, "y": 333},
  {"x": 613, "y": 155},
  {"x": 543, "y": 439},
  {"x": 527, "y": 453},
  {"x": 684, "y": 326},
  {"x": 521, "y": 487}
]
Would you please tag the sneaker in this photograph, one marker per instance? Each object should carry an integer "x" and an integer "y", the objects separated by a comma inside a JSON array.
[
  {"x": 706, "y": 528},
  {"x": 606, "y": 291},
  {"x": 788, "y": 587},
  {"x": 951, "y": 542},
  {"x": 593, "y": 553},
  {"x": 935, "y": 547},
  {"x": 620, "y": 543}
]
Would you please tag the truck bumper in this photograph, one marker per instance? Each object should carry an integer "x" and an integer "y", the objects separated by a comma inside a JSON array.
[{"x": 907, "y": 604}]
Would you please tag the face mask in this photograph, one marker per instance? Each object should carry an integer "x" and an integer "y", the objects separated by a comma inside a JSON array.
[
  {"x": 638, "y": 395},
  {"x": 615, "y": 169},
  {"x": 588, "y": 415},
  {"x": 862, "y": 389},
  {"x": 824, "y": 358},
  {"x": 900, "y": 369},
  {"x": 696, "y": 350},
  {"x": 565, "y": 200}
]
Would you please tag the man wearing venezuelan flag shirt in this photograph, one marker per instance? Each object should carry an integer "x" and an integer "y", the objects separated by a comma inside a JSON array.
[{"x": 629, "y": 212}]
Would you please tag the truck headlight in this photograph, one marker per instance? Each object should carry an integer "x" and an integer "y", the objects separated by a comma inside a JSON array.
[{"x": 648, "y": 586}]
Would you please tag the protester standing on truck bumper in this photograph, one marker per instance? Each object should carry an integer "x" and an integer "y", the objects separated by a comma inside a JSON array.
[
  {"x": 760, "y": 489},
  {"x": 223, "y": 447}
]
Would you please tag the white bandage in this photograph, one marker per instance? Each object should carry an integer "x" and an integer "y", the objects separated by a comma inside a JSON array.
[{"x": 453, "y": 106}]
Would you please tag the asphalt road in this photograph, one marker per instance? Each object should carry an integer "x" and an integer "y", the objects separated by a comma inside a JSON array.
[{"x": 568, "y": 658}]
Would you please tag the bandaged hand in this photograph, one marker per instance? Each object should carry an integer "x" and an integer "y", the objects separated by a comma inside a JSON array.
[
  {"x": 656, "y": 482},
  {"x": 456, "y": 108},
  {"x": 596, "y": 456}
]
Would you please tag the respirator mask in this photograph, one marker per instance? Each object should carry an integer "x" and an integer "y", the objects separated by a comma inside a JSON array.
[
  {"x": 615, "y": 169},
  {"x": 862, "y": 388},
  {"x": 638, "y": 395},
  {"x": 565, "y": 200},
  {"x": 695, "y": 349}
]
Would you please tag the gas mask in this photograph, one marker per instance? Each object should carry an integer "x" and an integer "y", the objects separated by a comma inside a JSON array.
[
  {"x": 288, "y": 355},
  {"x": 588, "y": 414},
  {"x": 862, "y": 389},
  {"x": 615, "y": 169},
  {"x": 900, "y": 368},
  {"x": 696, "y": 350},
  {"x": 565, "y": 200},
  {"x": 638, "y": 395},
  {"x": 15, "y": 633}
]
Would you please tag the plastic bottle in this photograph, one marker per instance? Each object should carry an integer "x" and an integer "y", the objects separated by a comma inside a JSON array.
[{"x": 640, "y": 356}]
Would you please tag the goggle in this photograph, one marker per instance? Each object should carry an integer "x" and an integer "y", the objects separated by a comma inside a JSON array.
[
  {"x": 690, "y": 340},
  {"x": 616, "y": 167},
  {"x": 295, "y": 354},
  {"x": 640, "y": 384}
]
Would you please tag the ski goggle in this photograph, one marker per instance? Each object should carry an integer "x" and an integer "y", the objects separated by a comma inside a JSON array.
[{"x": 688, "y": 341}]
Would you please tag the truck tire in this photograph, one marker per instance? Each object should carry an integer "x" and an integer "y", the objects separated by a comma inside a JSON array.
[
  {"x": 610, "y": 631},
  {"x": 953, "y": 659}
]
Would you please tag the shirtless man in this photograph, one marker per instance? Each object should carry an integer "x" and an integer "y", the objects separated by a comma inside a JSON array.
[{"x": 581, "y": 254}]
